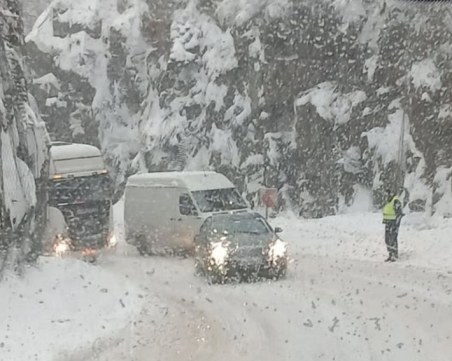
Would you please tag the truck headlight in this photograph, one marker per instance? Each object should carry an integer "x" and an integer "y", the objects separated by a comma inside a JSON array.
[
  {"x": 62, "y": 245},
  {"x": 112, "y": 241},
  {"x": 219, "y": 254},
  {"x": 278, "y": 250}
]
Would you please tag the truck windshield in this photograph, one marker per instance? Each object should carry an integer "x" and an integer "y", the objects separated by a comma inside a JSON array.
[
  {"x": 218, "y": 200},
  {"x": 80, "y": 190}
]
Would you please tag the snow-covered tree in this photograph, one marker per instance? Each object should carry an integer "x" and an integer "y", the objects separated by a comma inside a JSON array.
[
  {"x": 326, "y": 100},
  {"x": 23, "y": 148}
]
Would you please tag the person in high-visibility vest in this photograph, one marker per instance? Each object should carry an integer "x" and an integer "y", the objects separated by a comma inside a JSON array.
[{"x": 392, "y": 216}]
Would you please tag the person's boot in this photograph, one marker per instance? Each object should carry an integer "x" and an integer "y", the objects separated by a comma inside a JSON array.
[{"x": 388, "y": 259}]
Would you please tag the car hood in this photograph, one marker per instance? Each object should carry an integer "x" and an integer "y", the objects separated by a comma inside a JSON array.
[{"x": 247, "y": 240}]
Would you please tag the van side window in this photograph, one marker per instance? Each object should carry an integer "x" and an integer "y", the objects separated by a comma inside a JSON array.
[{"x": 186, "y": 205}]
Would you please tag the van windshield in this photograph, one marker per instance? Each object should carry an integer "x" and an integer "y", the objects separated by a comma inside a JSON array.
[
  {"x": 80, "y": 190},
  {"x": 218, "y": 200}
]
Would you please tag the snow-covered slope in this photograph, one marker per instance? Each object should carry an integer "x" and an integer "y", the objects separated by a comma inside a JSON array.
[
  {"x": 63, "y": 308},
  {"x": 323, "y": 100}
]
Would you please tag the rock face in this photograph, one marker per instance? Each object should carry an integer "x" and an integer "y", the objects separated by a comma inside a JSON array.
[
  {"x": 330, "y": 101},
  {"x": 23, "y": 148}
]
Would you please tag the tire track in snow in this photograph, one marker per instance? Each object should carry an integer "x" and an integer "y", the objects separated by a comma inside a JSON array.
[{"x": 268, "y": 321}]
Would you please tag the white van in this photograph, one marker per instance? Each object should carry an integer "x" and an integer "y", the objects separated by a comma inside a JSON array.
[{"x": 164, "y": 211}]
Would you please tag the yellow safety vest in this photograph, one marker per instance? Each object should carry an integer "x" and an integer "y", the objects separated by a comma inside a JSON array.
[{"x": 389, "y": 213}]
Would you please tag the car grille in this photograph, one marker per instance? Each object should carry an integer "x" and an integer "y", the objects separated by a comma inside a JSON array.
[{"x": 242, "y": 253}]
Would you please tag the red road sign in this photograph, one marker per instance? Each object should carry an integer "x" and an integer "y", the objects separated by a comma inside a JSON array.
[{"x": 269, "y": 197}]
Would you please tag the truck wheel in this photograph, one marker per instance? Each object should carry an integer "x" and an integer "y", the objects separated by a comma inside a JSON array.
[{"x": 90, "y": 259}]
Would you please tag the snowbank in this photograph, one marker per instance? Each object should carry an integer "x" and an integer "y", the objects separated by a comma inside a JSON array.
[
  {"x": 423, "y": 241},
  {"x": 62, "y": 307}
]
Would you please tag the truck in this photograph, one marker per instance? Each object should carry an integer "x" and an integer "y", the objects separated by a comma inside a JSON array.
[
  {"x": 163, "y": 212},
  {"x": 79, "y": 199}
]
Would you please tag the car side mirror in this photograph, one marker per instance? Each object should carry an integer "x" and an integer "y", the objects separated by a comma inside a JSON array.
[{"x": 278, "y": 230}]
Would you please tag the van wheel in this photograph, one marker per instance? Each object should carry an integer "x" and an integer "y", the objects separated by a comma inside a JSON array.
[
  {"x": 143, "y": 247},
  {"x": 142, "y": 250},
  {"x": 145, "y": 250}
]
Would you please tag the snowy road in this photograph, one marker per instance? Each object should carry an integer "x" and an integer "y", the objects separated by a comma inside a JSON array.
[
  {"x": 325, "y": 310},
  {"x": 339, "y": 302}
]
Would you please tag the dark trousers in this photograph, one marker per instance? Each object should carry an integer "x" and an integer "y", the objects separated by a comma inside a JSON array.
[{"x": 391, "y": 234}]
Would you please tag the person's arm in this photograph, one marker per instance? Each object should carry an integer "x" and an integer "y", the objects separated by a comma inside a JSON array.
[{"x": 398, "y": 211}]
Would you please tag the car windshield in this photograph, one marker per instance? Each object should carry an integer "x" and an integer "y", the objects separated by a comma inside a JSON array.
[
  {"x": 218, "y": 200},
  {"x": 237, "y": 225},
  {"x": 84, "y": 189}
]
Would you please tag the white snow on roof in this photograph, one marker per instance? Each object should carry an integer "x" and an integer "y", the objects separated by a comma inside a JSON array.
[
  {"x": 72, "y": 151},
  {"x": 75, "y": 159},
  {"x": 194, "y": 181}
]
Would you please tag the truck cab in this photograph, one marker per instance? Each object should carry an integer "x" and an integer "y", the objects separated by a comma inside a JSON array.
[{"x": 80, "y": 194}]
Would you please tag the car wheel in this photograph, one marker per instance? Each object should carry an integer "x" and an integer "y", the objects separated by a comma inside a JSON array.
[
  {"x": 143, "y": 247},
  {"x": 214, "y": 279},
  {"x": 276, "y": 273},
  {"x": 199, "y": 271},
  {"x": 282, "y": 272}
]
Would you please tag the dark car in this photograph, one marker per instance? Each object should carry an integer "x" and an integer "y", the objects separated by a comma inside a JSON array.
[{"x": 238, "y": 245}]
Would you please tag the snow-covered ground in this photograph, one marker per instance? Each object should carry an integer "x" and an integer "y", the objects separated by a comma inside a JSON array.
[
  {"x": 340, "y": 301},
  {"x": 61, "y": 307},
  {"x": 423, "y": 241}
]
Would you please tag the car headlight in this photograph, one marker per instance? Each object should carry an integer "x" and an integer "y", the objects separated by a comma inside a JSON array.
[
  {"x": 219, "y": 253},
  {"x": 278, "y": 250}
]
